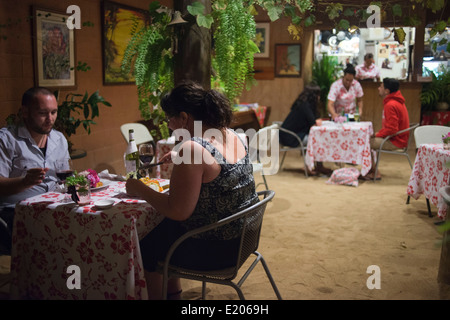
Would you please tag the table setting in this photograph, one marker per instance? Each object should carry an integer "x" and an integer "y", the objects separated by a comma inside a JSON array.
[
  {"x": 430, "y": 173},
  {"x": 345, "y": 142},
  {"x": 52, "y": 233}
]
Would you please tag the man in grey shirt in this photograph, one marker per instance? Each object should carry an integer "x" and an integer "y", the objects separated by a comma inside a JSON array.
[{"x": 28, "y": 152}]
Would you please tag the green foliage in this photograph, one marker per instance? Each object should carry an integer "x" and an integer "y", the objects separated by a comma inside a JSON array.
[
  {"x": 438, "y": 90},
  {"x": 235, "y": 30},
  {"x": 88, "y": 105},
  {"x": 77, "y": 179},
  {"x": 149, "y": 56},
  {"x": 324, "y": 72}
]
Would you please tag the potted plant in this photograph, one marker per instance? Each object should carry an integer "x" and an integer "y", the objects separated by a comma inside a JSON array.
[
  {"x": 78, "y": 185},
  {"x": 67, "y": 122},
  {"x": 324, "y": 72},
  {"x": 435, "y": 95}
]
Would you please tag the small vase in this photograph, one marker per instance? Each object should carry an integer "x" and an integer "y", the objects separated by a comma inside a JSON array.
[
  {"x": 446, "y": 146},
  {"x": 84, "y": 194}
]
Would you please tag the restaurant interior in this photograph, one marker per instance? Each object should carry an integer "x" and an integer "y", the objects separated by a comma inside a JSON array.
[{"x": 318, "y": 239}]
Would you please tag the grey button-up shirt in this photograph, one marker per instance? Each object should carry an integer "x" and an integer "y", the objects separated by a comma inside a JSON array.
[{"x": 19, "y": 152}]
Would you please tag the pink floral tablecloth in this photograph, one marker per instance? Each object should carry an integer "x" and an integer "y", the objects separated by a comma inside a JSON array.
[
  {"x": 348, "y": 142},
  {"x": 164, "y": 146},
  {"x": 430, "y": 174},
  {"x": 51, "y": 237}
]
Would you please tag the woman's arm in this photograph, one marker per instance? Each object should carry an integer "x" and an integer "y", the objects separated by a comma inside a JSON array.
[{"x": 185, "y": 184}]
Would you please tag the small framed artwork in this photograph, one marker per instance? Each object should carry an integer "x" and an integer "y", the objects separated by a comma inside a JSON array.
[
  {"x": 262, "y": 39},
  {"x": 287, "y": 60},
  {"x": 118, "y": 20},
  {"x": 54, "y": 50}
]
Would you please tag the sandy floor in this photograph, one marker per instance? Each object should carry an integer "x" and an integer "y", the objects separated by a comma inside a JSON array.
[{"x": 319, "y": 240}]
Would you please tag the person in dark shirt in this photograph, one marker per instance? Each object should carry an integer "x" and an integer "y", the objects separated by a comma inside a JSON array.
[{"x": 303, "y": 115}]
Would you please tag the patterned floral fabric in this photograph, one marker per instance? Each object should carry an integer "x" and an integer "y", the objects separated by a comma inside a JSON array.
[
  {"x": 233, "y": 190},
  {"x": 348, "y": 143},
  {"x": 430, "y": 174},
  {"x": 367, "y": 73},
  {"x": 49, "y": 236},
  {"x": 345, "y": 99}
]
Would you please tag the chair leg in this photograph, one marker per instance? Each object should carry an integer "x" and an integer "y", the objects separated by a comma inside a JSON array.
[
  {"x": 269, "y": 275},
  {"x": 376, "y": 167},
  {"x": 407, "y": 199},
  {"x": 429, "y": 209},
  {"x": 265, "y": 182},
  {"x": 203, "y": 290},
  {"x": 282, "y": 160}
]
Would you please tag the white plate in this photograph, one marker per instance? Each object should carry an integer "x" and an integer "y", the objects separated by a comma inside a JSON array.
[
  {"x": 104, "y": 204},
  {"x": 105, "y": 184}
]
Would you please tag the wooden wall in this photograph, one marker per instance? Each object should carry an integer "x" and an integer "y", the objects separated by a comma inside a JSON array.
[{"x": 105, "y": 145}]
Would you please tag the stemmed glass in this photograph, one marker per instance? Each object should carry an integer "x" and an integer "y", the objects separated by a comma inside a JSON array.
[
  {"x": 63, "y": 169},
  {"x": 146, "y": 154}
]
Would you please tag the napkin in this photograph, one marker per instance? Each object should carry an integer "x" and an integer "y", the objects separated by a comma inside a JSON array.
[{"x": 110, "y": 176}]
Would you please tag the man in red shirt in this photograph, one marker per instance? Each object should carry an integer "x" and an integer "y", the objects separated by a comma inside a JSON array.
[{"x": 395, "y": 118}]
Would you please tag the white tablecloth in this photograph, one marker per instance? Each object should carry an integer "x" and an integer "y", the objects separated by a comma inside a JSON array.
[
  {"x": 50, "y": 236},
  {"x": 348, "y": 142},
  {"x": 430, "y": 174}
]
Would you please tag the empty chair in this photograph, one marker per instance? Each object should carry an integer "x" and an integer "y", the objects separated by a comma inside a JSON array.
[
  {"x": 429, "y": 134},
  {"x": 251, "y": 220},
  {"x": 285, "y": 149},
  {"x": 141, "y": 133},
  {"x": 402, "y": 151},
  {"x": 260, "y": 151}
]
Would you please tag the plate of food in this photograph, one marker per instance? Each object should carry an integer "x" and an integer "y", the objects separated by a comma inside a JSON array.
[
  {"x": 155, "y": 184},
  {"x": 101, "y": 184}
]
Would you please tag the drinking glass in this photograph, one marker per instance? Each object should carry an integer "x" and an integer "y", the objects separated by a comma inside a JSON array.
[
  {"x": 64, "y": 169},
  {"x": 146, "y": 154}
]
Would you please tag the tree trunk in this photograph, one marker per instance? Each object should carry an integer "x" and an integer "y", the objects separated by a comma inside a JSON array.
[{"x": 193, "y": 47}]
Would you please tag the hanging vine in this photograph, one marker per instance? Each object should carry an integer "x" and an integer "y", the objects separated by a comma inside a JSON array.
[{"x": 149, "y": 57}]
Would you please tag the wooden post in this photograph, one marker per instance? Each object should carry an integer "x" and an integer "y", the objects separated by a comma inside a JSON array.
[{"x": 193, "y": 56}]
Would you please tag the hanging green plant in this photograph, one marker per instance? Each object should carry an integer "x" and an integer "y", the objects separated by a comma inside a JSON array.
[
  {"x": 234, "y": 31},
  {"x": 149, "y": 57}
]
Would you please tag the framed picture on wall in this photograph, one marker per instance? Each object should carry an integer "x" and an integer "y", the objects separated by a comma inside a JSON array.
[
  {"x": 54, "y": 50},
  {"x": 287, "y": 60},
  {"x": 117, "y": 23},
  {"x": 262, "y": 39}
]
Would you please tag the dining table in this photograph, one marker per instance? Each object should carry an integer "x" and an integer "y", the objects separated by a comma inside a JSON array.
[
  {"x": 62, "y": 250},
  {"x": 347, "y": 142},
  {"x": 430, "y": 173}
]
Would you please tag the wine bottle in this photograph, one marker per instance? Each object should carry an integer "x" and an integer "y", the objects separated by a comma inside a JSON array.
[{"x": 131, "y": 155}]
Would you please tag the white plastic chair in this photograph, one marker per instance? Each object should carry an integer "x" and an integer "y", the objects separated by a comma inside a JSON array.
[
  {"x": 260, "y": 150},
  {"x": 141, "y": 133},
  {"x": 429, "y": 134}
]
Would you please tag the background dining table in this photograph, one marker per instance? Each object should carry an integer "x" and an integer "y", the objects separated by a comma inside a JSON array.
[
  {"x": 50, "y": 237},
  {"x": 429, "y": 174},
  {"x": 347, "y": 142}
]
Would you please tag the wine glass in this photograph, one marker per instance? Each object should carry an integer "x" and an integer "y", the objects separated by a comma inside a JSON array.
[
  {"x": 63, "y": 169},
  {"x": 146, "y": 154}
]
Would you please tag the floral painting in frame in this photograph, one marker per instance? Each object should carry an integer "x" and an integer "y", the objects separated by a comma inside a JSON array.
[{"x": 54, "y": 44}]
